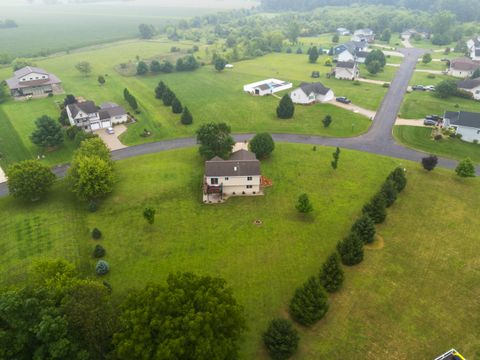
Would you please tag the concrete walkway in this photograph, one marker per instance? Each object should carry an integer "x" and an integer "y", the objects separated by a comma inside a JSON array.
[
  {"x": 354, "y": 108},
  {"x": 371, "y": 81},
  {"x": 410, "y": 122},
  {"x": 436, "y": 72},
  {"x": 3, "y": 177}
]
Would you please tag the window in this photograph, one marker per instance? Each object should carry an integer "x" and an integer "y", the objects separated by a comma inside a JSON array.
[
  {"x": 249, "y": 187},
  {"x": 478, "y": 132},
  {"x": 226, "y": 179},
  {"x": 249, "y": 178},
  {"x": 214, "y": 181}
]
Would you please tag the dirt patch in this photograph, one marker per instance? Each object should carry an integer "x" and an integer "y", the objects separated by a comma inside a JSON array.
[
  {"x": 377, "y": 244},
  {"x": 258, "y": 222}
]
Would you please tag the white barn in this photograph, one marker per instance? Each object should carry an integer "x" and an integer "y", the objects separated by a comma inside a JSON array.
[
  {"x": 464, "y": 123},
  {"x": 267, "y": 87},
  {"x": 310, "y": 93}
]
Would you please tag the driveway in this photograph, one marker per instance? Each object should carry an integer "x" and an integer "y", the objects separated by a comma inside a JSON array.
[
  {"x": 112, "y": 140},
  {"x": 354, "y": 108},
  {"x": 3, "y": 178}
]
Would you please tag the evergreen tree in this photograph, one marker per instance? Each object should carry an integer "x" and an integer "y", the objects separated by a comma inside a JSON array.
[
  {"x": 465, "y": 168},
  {"x": 327, "y": 120},
  {"x": 155, "y": 66},
  {"x": 364, "y": 227},
  {"x": 430, "y": 162},
  {"x": 220, "y": 64},
  {"x": 177, "y": 107},
  {"x": 336, "y": 157},
  {"x": 390, "y": 192},
  {"x": 262, "y": 145},
  {"x": 331, "y": 275},
  {"x": 376, "y": 208},
  {"x": 281, "y": 339},
  {"x": 186, "y": 118},
  {"x": 168, "y": 97},
  {"x": 313, "y": 55},
  {"x": 48, "y": 133},
  {"x": 310, "y": 303},
  {"x": 160, "y": 89},
  {"x": 149, "y": 215},
  {"x": 285, "y": 109},
  {"x": 399, "y": 178},
  {"x": 101, "y": 80},
  {"x": 304, "y": 205},
  {"x": 351, "y": 250}
]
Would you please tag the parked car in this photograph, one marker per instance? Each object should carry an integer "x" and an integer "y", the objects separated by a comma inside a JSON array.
[
  {"x": 418, "y": 87},
  {"x": 433, "y": 117},
  {"x": 430, "y": 88},
  {"x": 110, "y": 131},
  {"x": 429, "y": 122},
  {"x": 343, "y": 100}
]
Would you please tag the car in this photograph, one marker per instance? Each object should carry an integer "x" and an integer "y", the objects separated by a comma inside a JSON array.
[
  {"x": 429, "y": 122},
  {"x": 343, "y": 100},
  {"x": 430, "y": 88},
  {"x": 110, "y": 130},
  {"x": 433, "y": 117},
  {"x": 418, "y": 87}
]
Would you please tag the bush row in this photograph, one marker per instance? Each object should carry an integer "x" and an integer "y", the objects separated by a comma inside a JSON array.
[{"x": 169, "y": 98}]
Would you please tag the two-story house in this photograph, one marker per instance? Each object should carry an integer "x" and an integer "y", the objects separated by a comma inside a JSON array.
[
  {"x": 33, "y": 81},
  {"x": 238, "y": 176},
  {"x": 364, "y": 35},
  {"x": 89, "y": 117},
  {"x": 473, "y": 46},
  {"x": 346, "y": 70}
]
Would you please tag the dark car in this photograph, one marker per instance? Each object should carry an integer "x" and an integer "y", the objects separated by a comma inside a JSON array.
[
  {"x": 343, "y": 100},
  {"x": 429, "y": 122},
  {"x": 433, "y": 117},
  {"x": 418, "y": 87}
]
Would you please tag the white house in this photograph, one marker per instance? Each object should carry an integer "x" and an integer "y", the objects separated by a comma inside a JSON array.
[
  {"x": 361, "y": 56},
  {"x": 364, "y": 35},
  {"x": 464, "y": 123},
  {"x": 346, "y": 70},
  {"x": 345, "y": 55},
  {"x": 267, "y": 87},
  {"x": 240, "y": 175},
  {"x": 33, "y": 81},
  {"x": 310, "y": 93},
  {"x": 341, "y": 31},
  {"x": 472, "y": 86},
  {"x": 88, "y": 116},
  {"x": 473, "y": 46},
  {"x": 463, "y": 67}
]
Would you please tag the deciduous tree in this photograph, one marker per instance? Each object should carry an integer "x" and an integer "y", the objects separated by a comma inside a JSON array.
[
  {"x": 220, "y": 64},
  {"x": 84, "y": 68},
  {"x": 48, "y": 133},
  {"x": 91, "y": 177},
  {"x": 215, "y": 140},
  {"x": 29, "y": 179},
  {"x": 262, "y": 145}
]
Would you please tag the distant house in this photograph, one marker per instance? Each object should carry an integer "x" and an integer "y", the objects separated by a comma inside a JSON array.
[
  {"x": 33, "y": 81},
  {"x": 361, "y": 56},
  {"x": 341, "y": 31},
  {"x": 346, "y": 70},
  {"x": 414, "y": 32},
  {"x": 350, "y": 51},
  {"x": 472, "y": 86},
  {"x": 473, "y": 46},
  {"x": 463, "y": 67},
  {"x": 267, "y": 87},
  {"x": 464, "y": 123},
  {"x": 310, "y": 93},
  {"x": 344, "y": 56},
  {"x": 364, "y": 35},
  {"x": 240, "y": 175},
  {"x": 89, "y": 117}
]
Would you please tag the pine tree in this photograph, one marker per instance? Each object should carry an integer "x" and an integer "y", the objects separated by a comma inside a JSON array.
[
  {"x": 351, "y": 250},
  {"x": 304, "y": 205},
  {"x": 313, "y": 55},
  {"x": 336, "y": 156},
  {"x": 186, "y": 118},
  {"x": 160, "y": 89},
  {"x": 390, "y": 192},
  {"x": 285, "y": 109},
  {"x": 327, "y": 121},
  {"x": 177, "y": 107},
  {"x": 310, "y": 303},
  {"x": 364, "y": 227},
  {"x": 281, "y": 339},
  {"x": 168, "y": 97},
  {"x": 376, "y": 208},
  {"x": 399, "y": 178},
  {"x": 331, "y": 275}
]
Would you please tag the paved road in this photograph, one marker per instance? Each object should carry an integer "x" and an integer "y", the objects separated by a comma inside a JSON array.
[{"x": 378, "y": 140}]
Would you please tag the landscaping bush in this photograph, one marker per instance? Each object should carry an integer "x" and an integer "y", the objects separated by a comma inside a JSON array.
[
  {"x": 364, "y": 227},
  {"x": 262, "y": 145},
  {"x": 331, "y": 275},
  {"x": 102, "y": 268},
  {"x": 386, "y": 85},
  {"x": 351, "y": 250},
  {"x": 430, "y": 162},
  {"x": 92, "y": 206},
  {"x": 96, "y": 234},
  {"x": 431, "y": 76},
  {"x": 281, "y": 339},
  {"x": 285, "y": 109},
  {"x": 399, "y": 178},
  {"x": 186, "y": 118},
  {"x": 376, "y": 208},
  {"x": 310, "y": 303},
  {"x": 304, "y": 205},
  {"x": 438, "y": 137},
  {"x": 177, "y": 107},
  {"x": 99, "y": 251},
  {"x": 390, "y": 192},
  {"x": 465, "y": 168}
]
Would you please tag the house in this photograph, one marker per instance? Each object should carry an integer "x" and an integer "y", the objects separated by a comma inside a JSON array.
[
  {"x": 473, "y": 46},
  {"x": 89, "y": 117},
  {"x": 341, "y": 31},
  {"x": 407, "y": 34},
  {"x": 310, "y": 93},
  {"x": 240, "y": 175},
  {"x": 33, "y": 81},
  {"x": 345, "y": 56},
  {"x": 349, "y": 51},
  {"x": 267, "y": 87},
  {"x": 464, "y": 123},
  {"x": 346, "y": 70},
  {"x": 361, "y": 56},
  {"x": 463, "y": 67},
  {"x": 472, "y": 86},
  {"x": 364, "y": 35}
]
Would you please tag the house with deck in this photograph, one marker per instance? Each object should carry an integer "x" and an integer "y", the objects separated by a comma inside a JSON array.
[
  {"x": 240, "y": 175},
  {"x": 87, "y": 116},
  {"x": 267, "y": 87},
  {"x": 463, "y": 67},
  {"x": 464, "y": 123},
  {"x": 472, "y": 86},
  {"x": 33, "y": 81},
  {"x": 346, "y": 70},
  {"x": 311, "y": 93}
]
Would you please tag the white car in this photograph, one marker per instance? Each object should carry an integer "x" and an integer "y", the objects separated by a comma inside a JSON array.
[
  {"x": 110, "y": 130},
  {"x": 430, "y": 88}
]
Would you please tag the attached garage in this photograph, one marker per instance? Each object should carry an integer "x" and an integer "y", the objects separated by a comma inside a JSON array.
[
  {"x": 106, "y": 124},
  {"x": 95, "y": 126}
]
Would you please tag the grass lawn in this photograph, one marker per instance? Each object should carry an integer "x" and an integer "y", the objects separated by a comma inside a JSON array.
[
  {"x": 387, "y": 75},
  {"x": 417, "y": 104},
  {"x": 420, "y": 138},
  {"x": 379, "y": 304},
  {"x": 394, "y": 59},
  {"x": 321, "y": 41},
  {"x": 427, "y": 44},
  {"x": 433, "y": 65}
]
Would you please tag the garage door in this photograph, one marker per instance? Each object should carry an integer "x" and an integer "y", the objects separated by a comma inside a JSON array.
[
  {"x": 95, "y": 126},
  {"x": 106, "y": 124}
]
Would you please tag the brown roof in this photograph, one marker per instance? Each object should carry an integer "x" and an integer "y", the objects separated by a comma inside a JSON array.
[
  {"x": 465, "y": 64},
  {"x": 88, "y": 107},
  {"x": 241, "y": 163}
]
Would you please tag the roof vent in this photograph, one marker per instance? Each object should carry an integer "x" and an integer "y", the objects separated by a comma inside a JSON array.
[{"x": 235, "y": 168}]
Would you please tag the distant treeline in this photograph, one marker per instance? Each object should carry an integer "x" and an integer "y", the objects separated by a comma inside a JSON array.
[
  {"x": 7, "y": 24},
  {"x": 465, "y": 10}
]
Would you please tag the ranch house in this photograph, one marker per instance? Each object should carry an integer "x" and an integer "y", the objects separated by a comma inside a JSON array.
[{"x": 310, "y": 93}]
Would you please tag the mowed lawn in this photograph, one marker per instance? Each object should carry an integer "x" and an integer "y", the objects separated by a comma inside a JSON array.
[
  {"x": 403, "y": 301},
  {"x": 421, "y": 139}
]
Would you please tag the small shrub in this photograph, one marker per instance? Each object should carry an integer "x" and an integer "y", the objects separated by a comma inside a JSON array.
[
  {"x": 96, "y": 234},
  {"x": 92, "y": 206},
  {"x": 356, "y": 83},
  {"x": 431, "y": 76},
  {"x": 430, "y": 162},
  {"x": 310, "y": 303},
  {"x": 438, "y": 137},
  {"x": 102, "y": 268},
  {"x": 99, "y": 251},
  {"x": 465, "y": 168},
  {"x": 386, "y": 85},
  {"x": 281, "y": 339},
  {"x": 304, "y": 206},
  {"x": 108, "y": 286}
]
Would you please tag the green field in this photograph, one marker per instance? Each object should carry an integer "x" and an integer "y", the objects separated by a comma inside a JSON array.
[
  {"x": 387, "y": 74},
  {"x": 420, "y": 138},
  {"x": 264, "y": 264},
  {"x": 433, "y": 65}
]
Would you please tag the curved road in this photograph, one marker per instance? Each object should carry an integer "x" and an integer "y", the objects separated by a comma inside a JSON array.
[{"x": 378, "y": 140}]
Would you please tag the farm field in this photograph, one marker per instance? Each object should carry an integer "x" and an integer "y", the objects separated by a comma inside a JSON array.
[
  {"x": 420, "y": 138},
  {"x": 264, "y": 264}
]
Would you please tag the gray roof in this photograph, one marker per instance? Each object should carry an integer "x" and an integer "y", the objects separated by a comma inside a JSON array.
[
  {"x": 464, "y": 64},
  {"x": 346, "y": 64},
  {"x": 469, "y": 84},
  {"x": 241, "y": 163},
  {"x": 316, "y": 88},
  {"x": 113, "y": 109},
  {"x": 14, "y": 82},
  {"x": 263, "y": 87},
  {"x": 87, "y": 107},
  {"x": 463, "y": 118},
  {"x": 361, "y": 54},
  {"x": 28, "y": 70}
]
